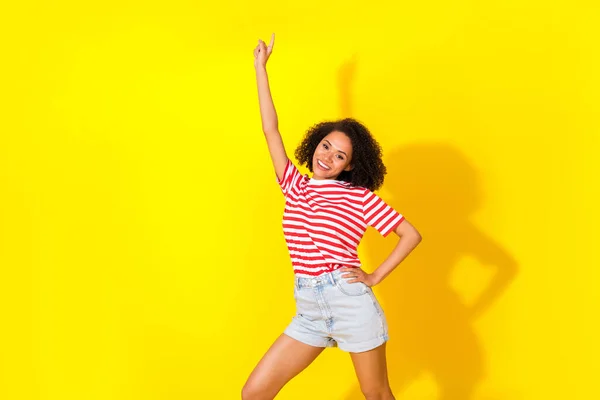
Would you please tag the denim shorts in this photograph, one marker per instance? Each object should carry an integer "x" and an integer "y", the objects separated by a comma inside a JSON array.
[{"x": 331, "y": 312}]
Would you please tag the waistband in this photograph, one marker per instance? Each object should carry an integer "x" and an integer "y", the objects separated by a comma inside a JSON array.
[{"x": 328, "y": 278}]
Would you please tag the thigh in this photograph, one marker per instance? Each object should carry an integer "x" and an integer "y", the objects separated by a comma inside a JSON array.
[
  {"x": 371, "y": 370},
  {"x": 285, "y": 359}
]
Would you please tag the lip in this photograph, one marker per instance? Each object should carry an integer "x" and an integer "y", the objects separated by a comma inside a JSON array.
[{"x": 323, "y": 166}]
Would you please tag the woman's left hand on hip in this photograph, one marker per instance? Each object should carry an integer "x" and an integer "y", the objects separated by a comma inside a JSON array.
[{"x": 358, "y": 275}]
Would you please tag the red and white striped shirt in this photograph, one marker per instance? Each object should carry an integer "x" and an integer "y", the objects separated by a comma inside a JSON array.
[{"x": 324, "y": 221}]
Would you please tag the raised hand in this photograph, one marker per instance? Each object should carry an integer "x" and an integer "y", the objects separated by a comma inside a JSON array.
[{"x": 262, "y": 52}]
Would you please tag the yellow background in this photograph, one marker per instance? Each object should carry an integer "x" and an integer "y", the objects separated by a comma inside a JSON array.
[{"x": 140, "y": 221}]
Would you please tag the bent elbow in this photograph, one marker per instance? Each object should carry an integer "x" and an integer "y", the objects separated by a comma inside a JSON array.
[{"x": 417, "y": 237}]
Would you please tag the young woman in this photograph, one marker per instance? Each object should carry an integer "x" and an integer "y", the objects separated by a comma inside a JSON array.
[{"x": 324, "y": 220}]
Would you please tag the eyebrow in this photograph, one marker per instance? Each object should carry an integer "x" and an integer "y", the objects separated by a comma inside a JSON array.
[{"x": 333, "y": 146}]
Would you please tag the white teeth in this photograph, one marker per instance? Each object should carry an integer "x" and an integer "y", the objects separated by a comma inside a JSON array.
[{"x": 323, "y": 165}]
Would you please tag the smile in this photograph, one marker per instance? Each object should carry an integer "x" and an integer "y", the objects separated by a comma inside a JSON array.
[{"x": 323, "y": 165}]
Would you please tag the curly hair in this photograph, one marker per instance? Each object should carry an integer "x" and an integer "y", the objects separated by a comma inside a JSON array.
[{"x": 368, "y": 170}]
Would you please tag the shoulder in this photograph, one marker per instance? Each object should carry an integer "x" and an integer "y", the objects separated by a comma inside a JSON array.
[
  {"x": 355, "y": 193},
  {"x": 358, "y": 190}
]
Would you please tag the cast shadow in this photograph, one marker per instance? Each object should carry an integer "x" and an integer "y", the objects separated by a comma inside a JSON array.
[{"x": 430, "y": 323}]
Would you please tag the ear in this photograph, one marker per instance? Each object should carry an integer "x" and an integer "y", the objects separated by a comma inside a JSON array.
[{"x": 350, "y": 167}]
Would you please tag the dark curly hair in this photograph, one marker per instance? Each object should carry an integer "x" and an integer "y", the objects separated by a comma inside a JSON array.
[{"x": 368, "y": 170}]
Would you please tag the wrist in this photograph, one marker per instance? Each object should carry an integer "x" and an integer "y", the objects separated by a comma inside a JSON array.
[{"x": 377, "y": 277}]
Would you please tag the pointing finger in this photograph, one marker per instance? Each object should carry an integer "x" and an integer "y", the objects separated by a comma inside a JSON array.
[{"x": 272, "y": 42}]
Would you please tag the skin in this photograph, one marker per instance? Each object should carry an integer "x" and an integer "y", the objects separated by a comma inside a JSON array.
[
  {"x": 332, "y": 156},
  {"x": 287, "y": 357}
]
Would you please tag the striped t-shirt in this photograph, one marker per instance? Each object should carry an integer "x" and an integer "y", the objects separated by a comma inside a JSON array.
[{"x": 324, "y": 221}]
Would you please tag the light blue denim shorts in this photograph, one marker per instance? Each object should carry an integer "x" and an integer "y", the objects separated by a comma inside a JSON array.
[{"x": 331, "y": 312}]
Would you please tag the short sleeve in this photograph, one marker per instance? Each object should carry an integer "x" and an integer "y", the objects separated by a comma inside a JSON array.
[
  {"x": 291, "y": 177},
  {"x": 378, "y": 214}
]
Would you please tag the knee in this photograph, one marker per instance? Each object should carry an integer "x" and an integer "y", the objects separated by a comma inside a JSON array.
[
  {"x": 251, "y": 391},
  {"x": 378, "y": 393},
  {"x": 248, "y": 393}
]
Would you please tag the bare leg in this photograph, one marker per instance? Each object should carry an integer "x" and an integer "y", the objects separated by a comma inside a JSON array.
[
  {"x": 285, "y": 359},
  {"x": 371, "y": 370}
]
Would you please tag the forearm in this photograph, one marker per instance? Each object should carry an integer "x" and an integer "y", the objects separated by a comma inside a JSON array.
[
  {"x": 405, "y": 246},
  {"x": 267, "y": 108}
]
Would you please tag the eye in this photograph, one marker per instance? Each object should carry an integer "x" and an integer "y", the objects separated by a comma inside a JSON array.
[
  {"x": 325, "y": 145},
  {"x": 340, "y": 157}
]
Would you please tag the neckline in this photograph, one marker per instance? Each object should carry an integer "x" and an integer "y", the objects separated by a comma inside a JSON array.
[{"x": 319, "y": 181}]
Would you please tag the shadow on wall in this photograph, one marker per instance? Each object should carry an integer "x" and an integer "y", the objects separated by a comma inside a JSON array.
[{"x": 431, "y": 328}]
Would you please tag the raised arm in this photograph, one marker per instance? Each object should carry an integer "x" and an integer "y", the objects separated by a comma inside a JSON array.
[{"x": 267, "y": 108}]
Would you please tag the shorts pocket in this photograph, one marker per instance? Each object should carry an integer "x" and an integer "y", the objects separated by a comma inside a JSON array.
[{"x": 351, "y": 289}]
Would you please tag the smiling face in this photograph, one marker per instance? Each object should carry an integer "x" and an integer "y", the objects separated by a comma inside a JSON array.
[{"x": 332, "y": 156}]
